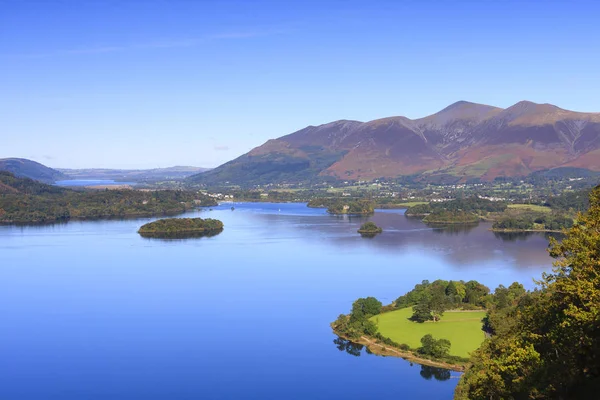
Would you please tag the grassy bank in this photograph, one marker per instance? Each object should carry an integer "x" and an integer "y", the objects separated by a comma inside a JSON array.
[{"x": 462, "y": 328}]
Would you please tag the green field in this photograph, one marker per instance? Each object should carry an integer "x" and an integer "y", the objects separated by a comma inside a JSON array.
[
  {"x": 411, "y": 203},
  {"x": 463, "y": 329},
  {"x": 530, "y": 207}
]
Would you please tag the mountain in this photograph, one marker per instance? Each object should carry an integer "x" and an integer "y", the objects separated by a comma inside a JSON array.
[
  {"x": 461, "y": 142},
  {"x": 30, "y": 169},
  {"x": 11, "y": 184},
  {"x": 134, "y": 175}
]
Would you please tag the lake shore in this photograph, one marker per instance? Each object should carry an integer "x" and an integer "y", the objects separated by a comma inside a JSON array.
[{"x": 387, "y": 351}]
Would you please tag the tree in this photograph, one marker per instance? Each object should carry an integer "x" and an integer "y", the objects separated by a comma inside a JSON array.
[
  {"x": 366, "y": 307},
  {"x": 436, "y": 348},
  {"x": 422, "y": 311},
  {"x": 551, "y": 349}
]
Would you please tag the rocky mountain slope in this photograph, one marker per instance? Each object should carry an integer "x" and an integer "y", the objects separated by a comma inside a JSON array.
[{"x": 461, "y": 142}]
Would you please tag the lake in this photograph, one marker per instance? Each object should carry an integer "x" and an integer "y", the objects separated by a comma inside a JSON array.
[{"x": 90, "y": 310}]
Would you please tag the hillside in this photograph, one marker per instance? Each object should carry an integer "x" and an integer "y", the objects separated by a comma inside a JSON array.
[
  {"x": 133, "y": 175},
  {"x": 461, "y": 142},
  {"x": 23, "y": 200},
  {"x": 30, "y": 169}
]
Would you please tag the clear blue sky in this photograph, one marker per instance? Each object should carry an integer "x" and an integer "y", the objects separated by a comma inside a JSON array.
[{"x": 152, "y": 83}]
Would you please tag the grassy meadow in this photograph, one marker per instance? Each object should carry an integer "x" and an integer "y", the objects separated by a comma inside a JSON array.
[
  {"x": 462, "y": 328},
  {"x": 529, "y": 207}
]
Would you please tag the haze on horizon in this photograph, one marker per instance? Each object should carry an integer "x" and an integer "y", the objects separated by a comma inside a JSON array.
[{"x": 154, "y": 84}]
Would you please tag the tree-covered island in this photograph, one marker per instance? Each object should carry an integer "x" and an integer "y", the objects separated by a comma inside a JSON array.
[
  {"x": 358, "y": 207},
  {"x": 369, "y": 229},
  {"x": 181, "y": 228},
  {"x": 338, "y": 206},
  {"x": 559, "y": 214}
]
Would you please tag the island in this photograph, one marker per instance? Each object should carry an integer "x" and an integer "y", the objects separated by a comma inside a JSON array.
[
  {"x": 369, "y": 229},
  {"x": 176, "y": 228},
  {"x": 445, "y": 217},
  {"x": 357, "y": 207},
  {"x": 506, "y": 217}
]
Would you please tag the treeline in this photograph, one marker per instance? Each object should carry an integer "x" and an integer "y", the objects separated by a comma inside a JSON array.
[
  {"x": 451, "y": 217},
  {"x": 577, "y": 201},
  {"x": 471, "y": 204},
  {"x": 545, "y": 343},
  {"x": 336, "y": 205},
  {"x": 431, "y": 299},
  {"x": 26, "y": 201},
  {"x": 533, "y": 221}
]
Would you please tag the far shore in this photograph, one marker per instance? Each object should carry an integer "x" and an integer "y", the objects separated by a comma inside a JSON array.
[{"x": 524, "y": 230}]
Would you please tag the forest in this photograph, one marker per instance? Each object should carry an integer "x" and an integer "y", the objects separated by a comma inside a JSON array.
[{"x": 23, "y": 200}]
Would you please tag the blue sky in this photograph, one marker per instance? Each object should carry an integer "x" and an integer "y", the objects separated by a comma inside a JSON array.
[{"x": 154, "y": 83}]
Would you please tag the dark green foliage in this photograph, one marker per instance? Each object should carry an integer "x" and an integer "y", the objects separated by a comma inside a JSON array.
[
  {"x": 422, "y": 311},
  {"x": 545, "y": 343},
  {"x": 358, "y": 322},
  {"x": 354, "y": 207},
  {"x": 524, "y": 221},
  {"x": 430, "y": 300},
  {"x": 437, "y": 348},
  {"x": 369, "y": 228},
  {"x": 461, "y": 209},
  {"x": 570, "y": 201},
  {"x": 365, "y": 307},
  {"x": 26, "y": 201},
  {"x": 177, "y": 227},
  {"x": 451, "y": 217}
]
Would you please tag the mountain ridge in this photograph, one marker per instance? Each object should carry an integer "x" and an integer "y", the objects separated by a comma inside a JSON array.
[
  {"x": 24, "y": 168},
  {"x": 463, "y": 141}
]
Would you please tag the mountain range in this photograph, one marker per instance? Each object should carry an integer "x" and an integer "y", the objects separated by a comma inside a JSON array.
[{"x": 462, "y": 142}]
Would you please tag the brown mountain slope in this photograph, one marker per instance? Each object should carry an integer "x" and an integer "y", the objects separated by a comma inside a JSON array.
[{"x": 464, "y": 140}]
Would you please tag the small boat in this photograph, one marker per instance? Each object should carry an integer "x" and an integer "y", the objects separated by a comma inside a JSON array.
[{"x": 232, "y": 208}]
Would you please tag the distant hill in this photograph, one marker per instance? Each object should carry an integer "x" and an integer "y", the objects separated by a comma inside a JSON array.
[
  {"x": 11, "y": 184},
  {"x": 133, "y": 175},
  {"x": 30, "y": 169},
  {"x": 461, "y": 142}
]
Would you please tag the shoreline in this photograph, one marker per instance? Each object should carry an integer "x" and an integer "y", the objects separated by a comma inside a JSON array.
[
  {"x": 525, "y": 230},
  {"x": 387, "y": 351}
]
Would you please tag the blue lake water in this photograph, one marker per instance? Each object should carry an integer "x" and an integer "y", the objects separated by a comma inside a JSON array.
[
  {"x": 91, "y": 182},
  {"x": 90, "y": 310}
]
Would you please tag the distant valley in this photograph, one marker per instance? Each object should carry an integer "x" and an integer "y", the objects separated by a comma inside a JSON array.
[
  {"x": 133, "y": 175},
  {"x": 463, "y": 142},
  {"x": 25, "y": 168}
]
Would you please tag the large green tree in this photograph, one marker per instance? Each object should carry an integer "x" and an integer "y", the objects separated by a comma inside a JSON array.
[{"x": 551, "y": 347}]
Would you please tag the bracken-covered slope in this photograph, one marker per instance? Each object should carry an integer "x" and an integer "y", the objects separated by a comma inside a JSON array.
[
  {"x": 461, "y": 142},
  {"x": 30, "y": 169}
]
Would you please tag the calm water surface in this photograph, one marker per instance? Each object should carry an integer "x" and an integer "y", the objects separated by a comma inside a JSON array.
[{"x": 90, "y": 310}]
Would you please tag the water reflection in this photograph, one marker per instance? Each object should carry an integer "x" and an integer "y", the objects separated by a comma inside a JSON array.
[
  {"x": 170, "y": 236},
  {"x": 439, "y": 374},
  {"x": 349, "y": 347},
  {"x": 427, "y": 372},
  {"x": 453, "y": 229},
  {"x": 460, "y": 245}
]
